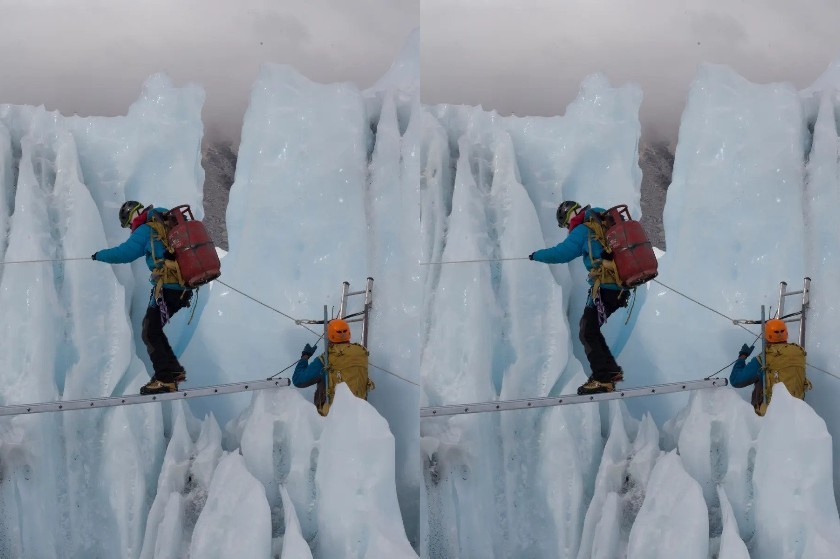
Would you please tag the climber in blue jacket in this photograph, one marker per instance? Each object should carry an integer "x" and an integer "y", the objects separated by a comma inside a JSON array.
[
  {"x": 168, "y": 294},
  {"x": 608, "y": 298}
]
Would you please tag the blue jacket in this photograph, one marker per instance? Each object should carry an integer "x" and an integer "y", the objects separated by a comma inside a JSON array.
[
  {"x": 744, "y": 374},
  {"x": 139, "y": 243},
  {"x": 307, "y": 374},
  {"x": 576, "y": 244}
]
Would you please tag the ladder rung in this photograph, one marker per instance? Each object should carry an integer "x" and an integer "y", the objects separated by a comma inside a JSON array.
[
  {"x": 112, "y": 401},
  {"x": 356, "y": 293},
  {"x": 505, "y": 405},
  {"x": 788, "y": 293}
]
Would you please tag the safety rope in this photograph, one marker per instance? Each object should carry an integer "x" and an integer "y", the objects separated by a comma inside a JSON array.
[
  {"x": 45, "y": 260},
  {"x": 740, "y": 323},
  {"x": 293, "y": 319},
  {"x": 732, "y": 320},
  {"x": 469, "y": 261},
  {"x": 281, "y": 371},
  {"x": 300, "y": 322},
  {"x": 394, "y": 374},
  {"x": 822, "y": 370},
  {"x": 321, "y": 335}
]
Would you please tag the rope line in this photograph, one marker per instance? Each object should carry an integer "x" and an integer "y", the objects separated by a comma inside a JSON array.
[
  {"x": 732, "y": 320},
  {"x": 293, "y": 363},
  {"x": 394, "y": 374},
  {"x": 263, "y": 304},
  {"x": 822, "y": 371},
  {"x": 44, "y": 260},
  {"x": 470, "y": 261},
  {"x": 320, "y": 335}
]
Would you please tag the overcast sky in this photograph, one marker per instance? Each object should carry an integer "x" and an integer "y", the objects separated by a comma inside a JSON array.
[
  {"x": 530, "y": 56},
  {"x": 92, "y": 56},
  {"x": 526, "y": 57}
]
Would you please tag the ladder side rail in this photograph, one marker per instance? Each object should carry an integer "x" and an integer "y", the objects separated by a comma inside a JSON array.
[
  {"x": 763, "y": 341},
  {"x": 131, "y": 399},
  {"x": 562, "y": 400},
  {"x": 806, "y": 303},
  {"x": 782, "y": 295},
  {"x": 326, "y": 348},
  {"x": 366, "y": 316},
  {"x": 345, "y": 288}
]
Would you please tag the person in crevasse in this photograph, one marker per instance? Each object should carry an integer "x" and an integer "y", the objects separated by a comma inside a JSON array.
[
  {"x": 168, "y": 295},
  {"x": 785, "y": 362},
  {"x": 346, "y": 362},
  {"x": 605, "y": 294}
]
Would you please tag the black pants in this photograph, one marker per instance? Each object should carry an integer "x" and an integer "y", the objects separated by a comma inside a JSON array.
[
  {"x": 164, "y": 362},
  {"x": 601, "y": 361}
]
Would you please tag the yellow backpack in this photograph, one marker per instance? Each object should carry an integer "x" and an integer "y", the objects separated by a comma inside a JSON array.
[
  {"x": 785, "y": 363},
  {"x": 347, "y": 363},
  {"x": 166, "y": 269}
]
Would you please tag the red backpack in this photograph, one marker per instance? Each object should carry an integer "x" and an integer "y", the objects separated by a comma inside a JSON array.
[{"x": 629, "y": 249}]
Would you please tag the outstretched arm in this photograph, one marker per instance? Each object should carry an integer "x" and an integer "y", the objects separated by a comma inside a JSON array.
[
  {"x": 133, "y": 248},
  {"x": 566, "y": 251}
]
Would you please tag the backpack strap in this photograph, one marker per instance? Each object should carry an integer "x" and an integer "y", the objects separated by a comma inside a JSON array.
[
  {"x": 603, "y": 269},
  {"x": 166, "y": 267}
]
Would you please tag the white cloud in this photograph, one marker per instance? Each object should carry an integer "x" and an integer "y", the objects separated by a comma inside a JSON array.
[
  {"x": 91, "y": 56},
  {"x": 530, "y": 56}
]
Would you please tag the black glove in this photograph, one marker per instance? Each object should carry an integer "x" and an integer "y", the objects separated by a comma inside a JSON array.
[
  {"x": 531, "y": 256},
  {"x": 93, "y": 256},
  {"x": 746, "y": 350},
  {"x": 309, "y": 351}
]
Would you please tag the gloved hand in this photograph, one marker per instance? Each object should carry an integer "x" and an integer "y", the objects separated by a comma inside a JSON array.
[
  {"x": 746, "y": 350},
  {"x": 309, "y": 351},
  {"x": 93, "y": 256},
  {"x": 531, "y": 256}
]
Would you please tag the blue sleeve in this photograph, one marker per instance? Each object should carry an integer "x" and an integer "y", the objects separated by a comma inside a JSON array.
[
  {"x": 132, "y": 249},
  {"x": 568, "y": 250},
  {"x": 743, "y": 373},
  {"x": 307, "y": 374}
]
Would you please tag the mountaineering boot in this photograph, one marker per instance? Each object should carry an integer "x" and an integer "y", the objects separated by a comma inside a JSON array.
[
  {"x": 178, "y": 376},
  {"x": 156, "y": 386},
  {"x": 593, "y": 386}
]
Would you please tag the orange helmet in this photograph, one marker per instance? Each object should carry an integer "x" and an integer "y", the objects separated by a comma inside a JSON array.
[
  {"x": 338, "y": 331},
  {"x": 775, "y": 331}
]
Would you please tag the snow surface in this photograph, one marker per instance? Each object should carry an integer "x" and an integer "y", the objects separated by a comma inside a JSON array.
[{"x": 335, "y": 184}]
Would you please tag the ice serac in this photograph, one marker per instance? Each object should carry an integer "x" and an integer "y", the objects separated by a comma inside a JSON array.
[
  {"x": 620, "y": 486},
  {"x": 278, "y": 438},
  {"x": 7, "y": 189},
  {"x": 822, "y": 197},
  {"x": 673, "y": 520},
  {"x": 731, "y": 544},
  {"x": 293, "y": 543},
  {"x": 67, "y": 334},
  {"x": 358, "y": 514},
  {"x": 182, "y": 486},
  {"x": 325, "y": 192},
  {"x": 715, "y": 437},
  {"x": 395, "y": 333},
  {"x": 734, "y": 225},
  {"x": 296, "y": 229},
  {"x": 153, "y": 155},
  {"x": 509, "y": 171},
  {"x": 235, "y": 500},
  {"x": 795, "y": 508}
]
